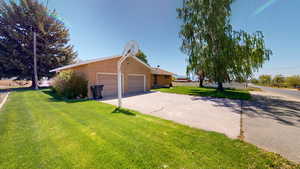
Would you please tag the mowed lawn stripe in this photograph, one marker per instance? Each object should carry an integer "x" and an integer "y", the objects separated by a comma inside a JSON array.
[
  {"x": 75, "y": 140},
  {"x": 20, "y": 143},
  {"x": 127, "y": 129},
  {"x": 90, "y": 134}
]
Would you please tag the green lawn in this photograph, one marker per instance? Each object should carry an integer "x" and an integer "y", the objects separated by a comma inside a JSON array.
[
  {"x": 212, "y": 92},
  {"x": 37, "y": 130}
]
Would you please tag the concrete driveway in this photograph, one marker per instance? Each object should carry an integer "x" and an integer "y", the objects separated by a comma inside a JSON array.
[{"x": 220, "y": 115}]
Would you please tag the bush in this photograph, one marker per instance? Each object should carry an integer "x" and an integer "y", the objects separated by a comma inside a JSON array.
[{"x": 70, "y": 85}]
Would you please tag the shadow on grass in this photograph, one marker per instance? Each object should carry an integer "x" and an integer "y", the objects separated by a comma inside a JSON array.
[
  {"x": 228, "y": 93},
  {"x": 56, "y": 98},
  {"x": 123, "y": 111},
  {"x": 21, "y": 89}
]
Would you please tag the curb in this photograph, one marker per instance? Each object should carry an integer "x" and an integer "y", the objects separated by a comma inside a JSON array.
[{"x": 4, "y": 100}]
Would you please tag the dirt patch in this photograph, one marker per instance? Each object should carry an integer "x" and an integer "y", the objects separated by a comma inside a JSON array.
[{"x": 4, "y": 84}]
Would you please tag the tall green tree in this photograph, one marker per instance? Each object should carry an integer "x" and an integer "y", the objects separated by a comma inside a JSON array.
[
  {"x": 18, "y": 21},
  {"x": 214, "y": 47},
  {"x": 141, "y": 55},
  {"x": 293, "y": 81}
]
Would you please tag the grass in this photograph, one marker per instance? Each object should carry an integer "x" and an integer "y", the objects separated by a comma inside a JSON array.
[
  {"x": 204, "y": 91},
  {"x": 39, "y": 130}
]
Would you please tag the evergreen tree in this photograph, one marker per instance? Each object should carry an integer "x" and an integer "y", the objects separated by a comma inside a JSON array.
[
  {"x": 141, "y": 55},
  {"x": 18, "y": 22}
]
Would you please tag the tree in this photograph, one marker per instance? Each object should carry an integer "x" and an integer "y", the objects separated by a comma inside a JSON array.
[
  {"x": 213, "y": 47},
  {"x": 265, "y": 79},
  {"x": 293, "y": 81},
  {"x": 254, "y": 81},
  {"x": 18, "y": 21},
  {"x": 196, "y": 70},
  {"x": 278, "y": 80},
  {"x": 141, "y": 55}
]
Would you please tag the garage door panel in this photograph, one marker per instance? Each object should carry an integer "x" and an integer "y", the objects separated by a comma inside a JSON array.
[
  {"x": 136, "y": 84},
  {"x": 110, "y": 84}
]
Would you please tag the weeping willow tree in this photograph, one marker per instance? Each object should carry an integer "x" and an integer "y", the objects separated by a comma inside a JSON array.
[
  {"x": 18, "y": 21},
  {"x": 213, "y": 47}
]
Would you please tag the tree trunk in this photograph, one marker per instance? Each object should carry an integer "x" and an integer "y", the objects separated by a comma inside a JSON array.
[
  {"x": 220, "y": 87},
  {"x": 201, "y": 83},
  {"x": 33, "y": 82}
]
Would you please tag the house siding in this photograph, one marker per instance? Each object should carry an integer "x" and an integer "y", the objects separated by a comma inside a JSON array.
[
  {"x": 129, "y": 66},
  {"x": 162, "y": 81}
]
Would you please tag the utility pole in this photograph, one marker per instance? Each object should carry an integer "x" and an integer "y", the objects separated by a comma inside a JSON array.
[{"x": 35, "y": 62}]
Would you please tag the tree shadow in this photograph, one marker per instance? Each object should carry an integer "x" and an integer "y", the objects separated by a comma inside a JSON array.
[
  {"x": 234, "y": 105},
  {"x": 56, "y": 98},
  {"x": 285, "y": 112},
  {"x": 228, "y": 93},
  {"x": 123, "y": 111},
  {"x": 21, "y": 89}
]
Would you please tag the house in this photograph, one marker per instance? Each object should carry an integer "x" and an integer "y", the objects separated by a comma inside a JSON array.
[
  {"x": 182, "y": 79},
  {"x": 136, "y": 75}
]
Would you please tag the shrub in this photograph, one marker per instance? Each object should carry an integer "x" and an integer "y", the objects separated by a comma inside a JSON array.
[{"x": 70, "y": 85}]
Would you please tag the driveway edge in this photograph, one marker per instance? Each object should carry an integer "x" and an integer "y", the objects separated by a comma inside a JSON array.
[{"x": 4, "y": 100}]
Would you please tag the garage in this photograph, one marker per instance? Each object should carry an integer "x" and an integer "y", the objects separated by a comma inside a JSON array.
[
  {"x": 110, "y": 83},
  {"x": 137, "y": 76},
  {"x": 136, "y": 83}
]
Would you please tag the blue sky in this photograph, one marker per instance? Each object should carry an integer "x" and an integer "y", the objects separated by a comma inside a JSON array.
[{"x": 101, "y": 28}]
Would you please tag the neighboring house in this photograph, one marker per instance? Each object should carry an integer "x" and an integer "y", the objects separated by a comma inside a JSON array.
[
  {"x": 182, "y": 79},
  {"x": 136, "y": 75}
]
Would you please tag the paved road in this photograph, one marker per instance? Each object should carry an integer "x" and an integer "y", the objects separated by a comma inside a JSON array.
[
  {"x": 220, "y": 115},
  {"x": 272, "y": 121},
  {"x": 284, "y": 92}
]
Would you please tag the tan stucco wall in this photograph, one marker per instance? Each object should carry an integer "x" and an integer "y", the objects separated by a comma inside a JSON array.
[
  {"x": 129, "y": 66},
  {"x": 162, "y": 81}
]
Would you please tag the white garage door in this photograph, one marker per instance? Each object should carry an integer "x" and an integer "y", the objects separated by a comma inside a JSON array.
[
  {"x": 110, "y": 84},
  {"x": 136, "y": 83}
]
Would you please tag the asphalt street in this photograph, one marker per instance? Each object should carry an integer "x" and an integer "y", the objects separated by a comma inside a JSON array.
[{"x": 284, "y": 92}]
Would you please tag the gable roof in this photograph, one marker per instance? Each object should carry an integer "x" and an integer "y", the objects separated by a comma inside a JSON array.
[
  {"x": 95, "y": 60},
  {"x": 159, "y": 71}
]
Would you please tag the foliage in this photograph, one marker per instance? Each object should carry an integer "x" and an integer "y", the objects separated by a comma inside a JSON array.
[
  {"x": 278, "y": 80},
  {"x": 141, "y": 55},
  {"x": 293, "y": 81},
  {"x": 254, "y": 81},
  {"x": 40, "y": 131},
  {"x": 265, "y": 79},
  {"x": 213, "y": 47},
  {"x": 18, "y": 21},
  {"x": 70, "y": 85},
  {"x": 205, "y": 91}
]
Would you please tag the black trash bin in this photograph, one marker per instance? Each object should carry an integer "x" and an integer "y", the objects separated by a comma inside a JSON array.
[{"x": 97, "y": 91}]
